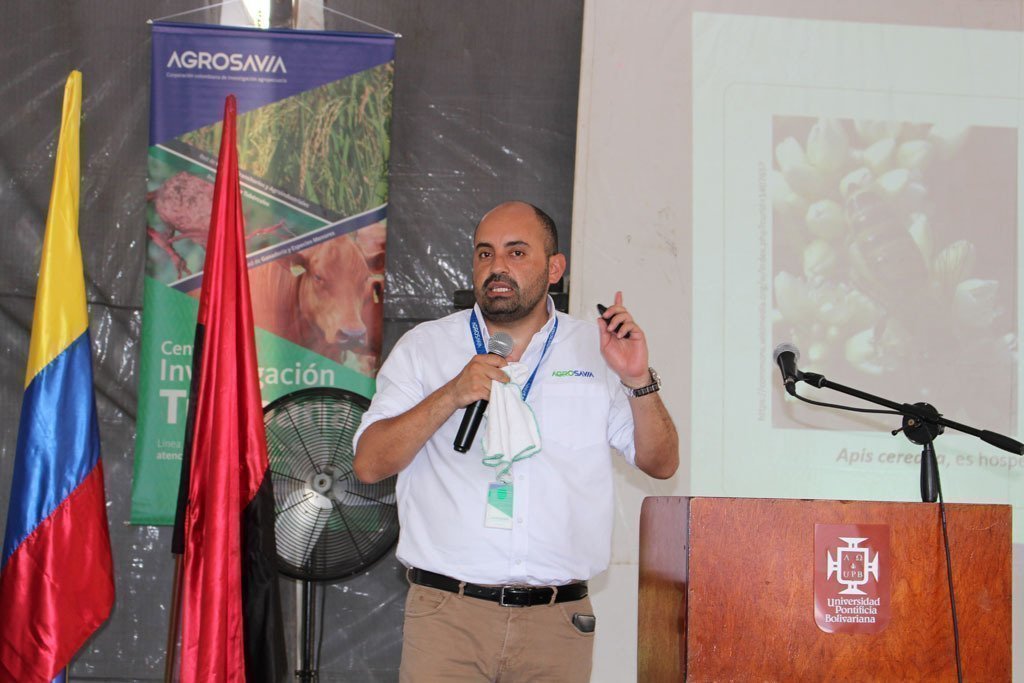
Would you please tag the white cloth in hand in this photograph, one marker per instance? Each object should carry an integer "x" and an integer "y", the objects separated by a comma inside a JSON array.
[{"x": 511, "y": 432}]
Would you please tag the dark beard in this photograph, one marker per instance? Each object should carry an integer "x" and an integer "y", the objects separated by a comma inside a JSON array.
[{"x": 506, "y": 310}]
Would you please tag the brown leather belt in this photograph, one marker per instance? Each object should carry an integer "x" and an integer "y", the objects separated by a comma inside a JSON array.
[{"x": 506, "y": 596}]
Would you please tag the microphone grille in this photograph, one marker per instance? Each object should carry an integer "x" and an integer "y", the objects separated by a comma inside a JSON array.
[
  {"x": 500, "y": 344},
  {"x": 783, "y": 348}
]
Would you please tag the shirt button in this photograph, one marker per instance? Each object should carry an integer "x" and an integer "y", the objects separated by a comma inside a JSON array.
[
  {"x": 519, "y": 561},
  {"x": 519, "y": 520}
]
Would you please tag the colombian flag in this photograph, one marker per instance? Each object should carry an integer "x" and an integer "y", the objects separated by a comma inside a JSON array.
[{"x": 56, "y": 577}]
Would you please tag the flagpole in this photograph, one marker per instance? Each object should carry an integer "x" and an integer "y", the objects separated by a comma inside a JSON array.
[{"x": 172, "y": 627}]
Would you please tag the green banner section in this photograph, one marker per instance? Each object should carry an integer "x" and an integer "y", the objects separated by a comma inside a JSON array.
[
  {"x": 284, "y": 367},
  {"x": 163, "y": 388}
]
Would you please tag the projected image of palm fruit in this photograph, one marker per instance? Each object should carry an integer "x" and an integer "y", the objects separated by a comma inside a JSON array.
[{"x": 895, "y": 260}]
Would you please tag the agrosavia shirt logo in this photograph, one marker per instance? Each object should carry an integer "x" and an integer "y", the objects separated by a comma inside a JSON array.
[{"x": 572, "y": 373}]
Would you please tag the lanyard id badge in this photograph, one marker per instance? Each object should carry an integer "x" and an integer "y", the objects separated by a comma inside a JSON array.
[
  {"x": 499, "y": 506},
  {"x": 478, "y": 342},
  {"x": 498, "y": 514}
]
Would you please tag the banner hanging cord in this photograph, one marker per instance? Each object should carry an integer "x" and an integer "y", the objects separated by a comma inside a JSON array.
[
  {"x": 232, "y": 2},
  {"x": 365, "y": 23},
  {"x": 193, "y": 11}
]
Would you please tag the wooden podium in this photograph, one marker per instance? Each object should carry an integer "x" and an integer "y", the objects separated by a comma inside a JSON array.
[{"x": 727, "y": 592}]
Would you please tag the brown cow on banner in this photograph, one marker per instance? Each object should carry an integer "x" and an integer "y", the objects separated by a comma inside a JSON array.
[{"x": 328, "y": 298}]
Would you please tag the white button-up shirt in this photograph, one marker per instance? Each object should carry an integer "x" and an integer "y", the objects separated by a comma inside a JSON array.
[{"x": 562, "y": 496}]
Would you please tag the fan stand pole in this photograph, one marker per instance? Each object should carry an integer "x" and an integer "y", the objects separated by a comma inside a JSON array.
[{"x": 305, "y": 632}]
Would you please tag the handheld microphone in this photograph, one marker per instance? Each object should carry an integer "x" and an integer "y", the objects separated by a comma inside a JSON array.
[
  {"x": 500, "y": 345},
  {"x": 786, "y": 355}
]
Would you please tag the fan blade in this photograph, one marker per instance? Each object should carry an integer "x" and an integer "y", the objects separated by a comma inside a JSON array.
[{"x": 304, "y": 511}]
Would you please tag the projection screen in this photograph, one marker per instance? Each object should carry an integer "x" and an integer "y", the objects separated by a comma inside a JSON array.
[{"x": 840, "y": 176}]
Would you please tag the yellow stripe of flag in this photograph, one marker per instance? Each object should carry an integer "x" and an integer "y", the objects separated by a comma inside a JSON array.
[{"x": 60, "y": 314}]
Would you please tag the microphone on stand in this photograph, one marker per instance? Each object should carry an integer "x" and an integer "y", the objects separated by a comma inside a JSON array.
[
  {"x": 500, "y": 345},
  {"x": 786, "y": 355}
]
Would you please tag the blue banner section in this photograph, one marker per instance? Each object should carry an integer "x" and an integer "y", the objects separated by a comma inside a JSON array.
[
  {"x": 58, "y": 442},
  {"x": 196, "y": 66}
]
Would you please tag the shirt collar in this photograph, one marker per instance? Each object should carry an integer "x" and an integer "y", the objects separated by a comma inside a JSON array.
[{"x": 549, "y": 306}]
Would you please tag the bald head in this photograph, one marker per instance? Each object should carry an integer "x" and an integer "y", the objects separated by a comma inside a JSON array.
[{"x": 524, "y": 211}]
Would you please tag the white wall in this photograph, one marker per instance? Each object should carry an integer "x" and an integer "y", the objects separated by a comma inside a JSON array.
[{"x": 631, "y": 233}]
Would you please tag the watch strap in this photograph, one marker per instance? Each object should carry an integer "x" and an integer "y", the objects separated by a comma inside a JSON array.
[{"x": 654, "y": 386}]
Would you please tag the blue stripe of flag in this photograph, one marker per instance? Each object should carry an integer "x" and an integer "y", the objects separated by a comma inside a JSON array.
[{"x": 58, "y": 441}]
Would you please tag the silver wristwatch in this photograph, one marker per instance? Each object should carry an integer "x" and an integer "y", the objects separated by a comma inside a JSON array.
[{"x": 655, "y": 385}]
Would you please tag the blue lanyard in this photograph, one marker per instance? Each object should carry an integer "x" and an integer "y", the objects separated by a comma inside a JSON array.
[{"x": 478, "y": 341}]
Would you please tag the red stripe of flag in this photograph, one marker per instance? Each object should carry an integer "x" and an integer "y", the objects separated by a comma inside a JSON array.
[{"x": 64, "y": 561}]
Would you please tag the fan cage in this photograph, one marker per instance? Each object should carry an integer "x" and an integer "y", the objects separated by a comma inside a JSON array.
[{"x": 328, "y": 524}]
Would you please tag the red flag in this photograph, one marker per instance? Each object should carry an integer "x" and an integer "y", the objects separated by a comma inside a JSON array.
[{"x": 231, "y": 625}]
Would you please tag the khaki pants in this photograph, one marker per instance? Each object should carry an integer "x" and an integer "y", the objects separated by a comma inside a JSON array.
[{"x": 450, "y": 637}]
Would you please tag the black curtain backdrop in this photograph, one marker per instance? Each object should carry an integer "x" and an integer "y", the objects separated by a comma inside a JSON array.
[{"x": 484, "y": 110}]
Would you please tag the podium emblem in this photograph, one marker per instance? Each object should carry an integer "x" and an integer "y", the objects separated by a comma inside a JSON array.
[
  {"x": 852, "y": 577},
  {"x": 853, "y": 566}
]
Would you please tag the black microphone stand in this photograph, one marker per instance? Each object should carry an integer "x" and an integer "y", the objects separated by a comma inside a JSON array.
[{"x": 922, "y": 423}]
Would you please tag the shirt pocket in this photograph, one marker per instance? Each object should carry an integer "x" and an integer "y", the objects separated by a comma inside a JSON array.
[{"x": 575, "y": 415}]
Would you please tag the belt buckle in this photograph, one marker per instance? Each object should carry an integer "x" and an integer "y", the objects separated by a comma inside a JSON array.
[{"x": 512, "y": 590}]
